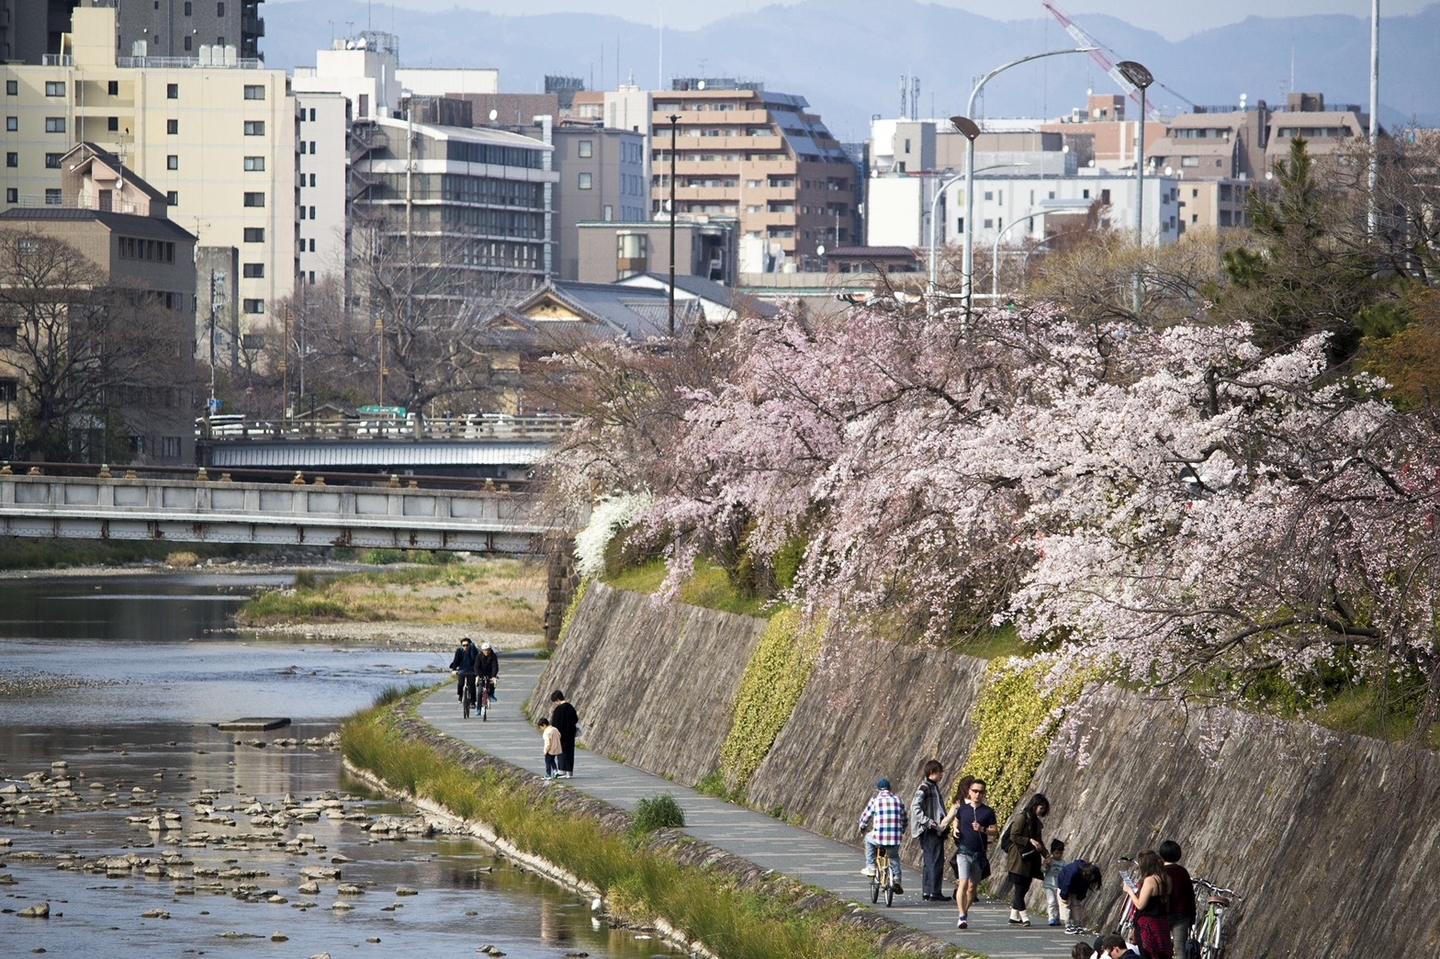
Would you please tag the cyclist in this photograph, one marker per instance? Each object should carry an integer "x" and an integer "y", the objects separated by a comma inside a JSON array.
[
  {"x": 883, "y": 822},
  {"x": 487, "y": 667},
  {"x": 462, "y": 664}
]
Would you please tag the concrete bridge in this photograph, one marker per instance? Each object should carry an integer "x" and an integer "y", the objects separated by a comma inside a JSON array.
[{"x": 202, "y": 510}]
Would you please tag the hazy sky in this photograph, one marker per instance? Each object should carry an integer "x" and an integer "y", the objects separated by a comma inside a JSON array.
[{"x": 1171, "y": 18}]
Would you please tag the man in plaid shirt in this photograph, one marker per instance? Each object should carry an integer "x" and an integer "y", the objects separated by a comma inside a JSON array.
[{"x": 883, "y": 822}]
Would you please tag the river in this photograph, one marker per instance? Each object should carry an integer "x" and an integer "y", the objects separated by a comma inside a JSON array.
[{"x": 110, "y": 687}]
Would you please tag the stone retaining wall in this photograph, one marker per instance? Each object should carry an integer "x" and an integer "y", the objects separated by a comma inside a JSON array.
[{"x": 1328, "y": 836}]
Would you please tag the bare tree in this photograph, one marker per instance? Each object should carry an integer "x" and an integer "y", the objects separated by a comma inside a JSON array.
[{"x": 84, "y": 351}]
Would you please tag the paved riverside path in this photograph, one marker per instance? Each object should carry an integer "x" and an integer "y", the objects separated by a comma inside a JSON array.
[{"x": 762, "y": 839}]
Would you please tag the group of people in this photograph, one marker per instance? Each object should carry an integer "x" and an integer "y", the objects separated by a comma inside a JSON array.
[
  {"x": 1161, "y": 891},
  {"x": 471, "y": 665}
]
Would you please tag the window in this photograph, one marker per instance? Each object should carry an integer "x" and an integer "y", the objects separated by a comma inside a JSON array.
[
  {"x": 254, "y": 91},
  {"x": 187, "y": 8},
  {"x": 312, "y": 146},
  {"x": 253, "y": 306},
  {"x": 54, "y": 124},
  {"x": 172, "y": 162},
  {"x": 312, "y": 114},
  {"x": 112, "y": 124},
  {"x": 12, "y": 124},
  {"x": 12, "y": 88},
  {"x": 12, "y": 195},
  {"x": 585, "y": 181},
  {"x": 254, "y": 234},
  {"x": 52, "y": 161},
  {"x": 52, "y": 197},
  {"x": 312, "y": 244},
  {"x": 254, "y": 271},
  {"x": 254, "y": 164},
  {"x": 312, "y": 179},
  {"x": 302, "y": 146},
  {"x": 170, "y": 447},
  {"x": 312, "y": 213},
  {"x": 254, "y": 128},
  {"x": 172, "y": 91},
  {"x": 220, "y": 10},
  {"x": 172, "y": 197},
  {"x": 172, "y": 127},
  {"x": 12, "y": 159},
  {"x": 302, "y": 213},
  {"x": 54, "y": 88},
  {"x": 187, "y": 41},
  {"x": 586, "y": 149},
  {"x": 113, "y": 88},
  {"x": 254, "y": 199}
]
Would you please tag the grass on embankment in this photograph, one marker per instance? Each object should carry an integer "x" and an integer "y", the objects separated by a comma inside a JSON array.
[
  {"x": 640, "y": 879},
  {"x": 504, "y": 596}
]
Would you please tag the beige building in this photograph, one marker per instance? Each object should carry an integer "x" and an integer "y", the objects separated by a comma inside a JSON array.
[
  {"x": 119, "y": 223},
  {"x": 218, "y": 142},
  {"x": 759, "y": 156}
]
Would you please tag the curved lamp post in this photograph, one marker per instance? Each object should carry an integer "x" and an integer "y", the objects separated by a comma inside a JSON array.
[
  {"x": 970, "y": 131},
  {"x": 1142, "y": 78},
  {"x": 970, "y": 161},
  {"x": 1054, "y": 206}
]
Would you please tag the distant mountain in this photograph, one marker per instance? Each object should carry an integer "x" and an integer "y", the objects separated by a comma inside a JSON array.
[{"x": 846, "y": 57}]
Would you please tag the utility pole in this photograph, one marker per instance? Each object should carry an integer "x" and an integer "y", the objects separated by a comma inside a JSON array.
[{"x": 674, "y": 118}]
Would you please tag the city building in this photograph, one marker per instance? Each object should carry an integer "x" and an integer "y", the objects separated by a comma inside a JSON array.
[
  {"x": 181, "y": 28},
  {"x": 119, "y": 223},
  {"x": 758, "y": 156},
  {"x": 704, "y": 247},
  {"x": 603, "y": 178},
  {"x": 218, "y": 141}
]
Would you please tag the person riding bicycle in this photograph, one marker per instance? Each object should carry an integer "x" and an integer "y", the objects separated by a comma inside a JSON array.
[
  {"x": 883, "y": 822},
  {"x": 462, "y": 664},
  {"x": 487, "y": 668}
]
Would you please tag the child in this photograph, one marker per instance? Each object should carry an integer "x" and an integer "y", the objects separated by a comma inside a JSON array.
[
  {"x": 1076, "y": 882},
  {"x": 883, "y": 822},
  {"x": 550, "y": 737},
  {"x": 1053, "y": 904}
]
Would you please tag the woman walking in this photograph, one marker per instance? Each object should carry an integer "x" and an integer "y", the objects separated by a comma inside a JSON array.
[
  {"x": 1027, "y": 856},
  {"x": 1152, "y": 911}
]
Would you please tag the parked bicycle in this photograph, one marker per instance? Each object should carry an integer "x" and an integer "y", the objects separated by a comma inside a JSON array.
[
  {"x": 1125, "y": 929},
  {"x": 884, "y": 878},
  {"x": 1211, "y": 905}
]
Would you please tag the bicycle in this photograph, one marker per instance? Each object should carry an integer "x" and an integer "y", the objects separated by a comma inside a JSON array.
[
  {"x": 1125, "y": 928},
  {"x": 884, "y": 878},
  {"x": 487, "y": 693},
  {"x": 1209, "y": 932},
  {"x": 467, "y": 694}
]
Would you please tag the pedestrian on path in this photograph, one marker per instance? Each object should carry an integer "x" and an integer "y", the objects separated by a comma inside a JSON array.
[
  {"x": 928, "y": 822},
  {"x": 1054, "y": 905},
  {"x": 1151, "y": 899},
  {"x": 1075, "y": 883},
  {"x": 883, "y": 822},
  {"x": 974, "y": 825},
  {"x": 1027, "y": 856},
  {"x": 1182, "y": 895},
  {"x": 550, "y": 741},
  {"x": 564, "y": 718}
]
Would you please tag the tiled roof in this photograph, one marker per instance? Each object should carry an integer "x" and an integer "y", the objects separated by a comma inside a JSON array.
[{"x": 127, "y": 223}]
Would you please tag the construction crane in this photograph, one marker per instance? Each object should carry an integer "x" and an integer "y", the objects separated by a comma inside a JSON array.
[{"x": 1097, "y": 50}]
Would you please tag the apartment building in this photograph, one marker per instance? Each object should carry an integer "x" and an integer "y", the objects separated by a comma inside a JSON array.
[
  {"x": 602, "y": 177},
  {"x": 218, "y": 141},
  {"x": 179, "y": 28},
  {"x": 756, "y": 155},
  {"x": 384, "y": 167}
]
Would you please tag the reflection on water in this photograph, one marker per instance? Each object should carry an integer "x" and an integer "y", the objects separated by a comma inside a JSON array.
[{"x": 139, "y": 745}]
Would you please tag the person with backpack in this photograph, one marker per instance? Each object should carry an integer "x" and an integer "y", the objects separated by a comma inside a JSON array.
[
  {"x": 1023, "y": 843},
  {"x": 928, "y": 821}
]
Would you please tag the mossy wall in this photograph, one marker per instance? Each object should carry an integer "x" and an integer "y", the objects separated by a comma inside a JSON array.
[{"x": 1331, "y": 838}]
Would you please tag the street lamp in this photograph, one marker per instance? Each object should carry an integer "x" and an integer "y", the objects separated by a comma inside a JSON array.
[
  {"x": 970, "y": 161},
  {"x": 674, "y": 118},
  {"x": 1142, "y": 78},
  {"x": 1048, "y": 206},
  {"x": 934, "y": 281},
  {"x": 970, "y": 131}
]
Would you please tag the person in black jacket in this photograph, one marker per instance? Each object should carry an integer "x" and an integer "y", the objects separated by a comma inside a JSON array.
[
  {"x": 564, "y": 718},
  {"x": 487, "y": 667},
  {"x": 462, "y": 664},
  {"x": 1077, "y": 880}
]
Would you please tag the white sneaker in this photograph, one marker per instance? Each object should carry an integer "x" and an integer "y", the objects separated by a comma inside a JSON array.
[{"x": 868, "y": 871}]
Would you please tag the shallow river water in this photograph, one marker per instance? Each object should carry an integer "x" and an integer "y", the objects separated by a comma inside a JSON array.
[{"x": 149, "y": 832}]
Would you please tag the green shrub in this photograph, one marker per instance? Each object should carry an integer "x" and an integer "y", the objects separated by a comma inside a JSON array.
[
  {"x": 657, "y": 812},
  {"x": 774, "y": 679}
]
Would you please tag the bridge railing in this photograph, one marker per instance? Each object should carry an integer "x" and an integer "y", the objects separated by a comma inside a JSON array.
[{"x": 469, "y": 427}]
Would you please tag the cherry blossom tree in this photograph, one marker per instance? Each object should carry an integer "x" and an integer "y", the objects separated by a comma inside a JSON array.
[{"x": 1176, "y": 507}]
